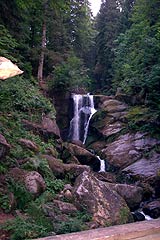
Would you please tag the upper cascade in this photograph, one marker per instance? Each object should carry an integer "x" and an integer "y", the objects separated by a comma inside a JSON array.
[{"x": 83, "y": 112}]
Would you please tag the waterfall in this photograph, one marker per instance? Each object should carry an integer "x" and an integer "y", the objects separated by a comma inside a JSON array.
[
  {"x": 102, "y": 165},
  {"x": 83, "y": 112}
]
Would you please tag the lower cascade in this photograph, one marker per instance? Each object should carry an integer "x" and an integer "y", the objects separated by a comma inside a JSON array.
[{"x": 83, "y": 112}]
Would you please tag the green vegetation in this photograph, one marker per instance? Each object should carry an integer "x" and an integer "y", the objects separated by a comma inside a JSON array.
[{"x": 59, "y": 46}]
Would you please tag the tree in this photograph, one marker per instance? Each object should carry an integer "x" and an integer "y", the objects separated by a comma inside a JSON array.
[
  {"x": 137, "y": 63},
  {"x": 108, "y": 27}
]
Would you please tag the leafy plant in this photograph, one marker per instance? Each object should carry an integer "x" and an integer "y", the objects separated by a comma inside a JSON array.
[{"x": 22, "y": 196}]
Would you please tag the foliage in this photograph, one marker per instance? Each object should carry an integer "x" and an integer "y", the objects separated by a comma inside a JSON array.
[
  {"x": 25, "y": 228},
  {"x": 14, "y": 97},
  {"x": 137, "y": 64},
  {"x": 70, "y": 74},
  {"x": 7, "y": 44},
  {"x": 4, "y": 202},
  {"x": 74, "y": 223},
  {"x": 22, "y": 196}
]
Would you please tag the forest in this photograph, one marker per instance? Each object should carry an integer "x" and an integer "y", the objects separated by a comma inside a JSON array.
[{"x": 62, "y": 47}]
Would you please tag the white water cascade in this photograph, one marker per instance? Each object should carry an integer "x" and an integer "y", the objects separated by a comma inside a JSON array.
[
  {"x": 83, "y": 112},
  {"x": 102, "y": 165}
]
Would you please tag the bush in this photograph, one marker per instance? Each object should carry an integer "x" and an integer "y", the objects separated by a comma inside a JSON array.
[{"x": 70, "y": 74}]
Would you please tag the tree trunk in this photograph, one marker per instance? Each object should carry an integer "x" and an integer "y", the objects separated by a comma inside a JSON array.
[{"x": 41, "y": 60}]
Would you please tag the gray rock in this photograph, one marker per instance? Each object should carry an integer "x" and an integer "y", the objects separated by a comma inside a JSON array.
[{"x": 105, "y": 205}]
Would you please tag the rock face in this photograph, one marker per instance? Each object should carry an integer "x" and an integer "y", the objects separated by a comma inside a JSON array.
[
  {"x": 128, "y": 148},
  {"x": 4, "y": 147},
  {"x": 105, "y": 205},
  {"x": 145, "y": 168},
  {"x": 32, "y": 181}
]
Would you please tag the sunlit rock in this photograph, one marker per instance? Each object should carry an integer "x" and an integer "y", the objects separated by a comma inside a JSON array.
[{"x": 8, "y": 69}]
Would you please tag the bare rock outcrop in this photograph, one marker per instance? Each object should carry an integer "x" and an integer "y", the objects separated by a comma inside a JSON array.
[
  {"x": 128, "y": 148},
  {"x": 105, "y": 205},
  {"x": 146, "y": 169}
]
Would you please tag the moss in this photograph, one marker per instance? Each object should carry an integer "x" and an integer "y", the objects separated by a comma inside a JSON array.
[{"x": 125, "y": 215}]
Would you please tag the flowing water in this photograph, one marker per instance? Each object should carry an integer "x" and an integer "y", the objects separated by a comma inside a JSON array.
[{"x": 83, "y": 112}]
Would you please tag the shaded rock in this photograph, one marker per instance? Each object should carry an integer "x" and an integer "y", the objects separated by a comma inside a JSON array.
[
  {"x": 60, "y": 169},
  {"x": 32, "y": 181},
  {"x": 29, "y": 144},
  {"x": 128, "y": 148},
  {"x": 105, "y": 176},
  {"x": 152, "y": 209},
  {"x": 145, "y": 169},
  {"x": 113, "y": 105},
  {"x": 133, "y": 195},
  {"x": 56, "y": 165},
  {"x": 78, "y": 143},
  {"x": 64, "y": 207},
  {"x": 104, "y": 204},
  {"x": 84, "y": 156},
  {"x": 50, "y": 126},
  {"x": 4, "y": 147}
]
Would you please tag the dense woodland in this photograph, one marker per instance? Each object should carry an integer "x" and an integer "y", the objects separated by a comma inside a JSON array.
[{"x": 60, "y": 45}]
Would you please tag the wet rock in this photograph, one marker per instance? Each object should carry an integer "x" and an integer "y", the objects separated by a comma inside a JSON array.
[
  {"x": 105, "y": 205},
  {"x": 152, "y": 209},
  {"x": 137, "y": 216},
  {"x": 4, "y": 147},
  {"x": 29, "y": 144}
]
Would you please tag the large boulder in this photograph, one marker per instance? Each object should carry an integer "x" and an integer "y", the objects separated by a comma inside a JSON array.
[
  {"x": 48, "y": 127},
  {"x": 132, "y": 194},
  {"x": 128, "y": 148},
  {"x": 32, "y": 181},
  {"x": 4, "y": 147},
  {"x": 106, "y": 206},
  {"x": 84, "y": 156},
  {"x": 146, "y": 169}
]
